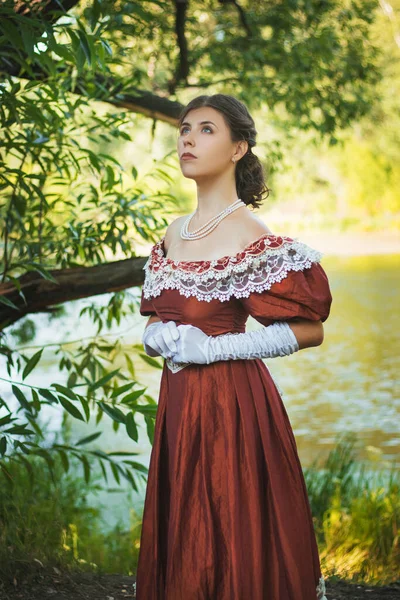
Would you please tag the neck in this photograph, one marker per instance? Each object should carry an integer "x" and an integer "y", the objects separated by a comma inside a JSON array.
[{"x": 213, "y": 195}]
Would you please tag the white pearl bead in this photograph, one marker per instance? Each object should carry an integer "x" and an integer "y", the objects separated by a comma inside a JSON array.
[{"x": 210, "y": 225}]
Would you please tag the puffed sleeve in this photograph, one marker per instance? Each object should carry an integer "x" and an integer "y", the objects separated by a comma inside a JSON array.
[
  {"x": 146, "y": 308},
  {"x": 300, "y": 294}
]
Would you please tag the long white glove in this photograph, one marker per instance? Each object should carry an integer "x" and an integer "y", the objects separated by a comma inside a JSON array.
[
  {"x": 194, "y": 346},
  {"x": 159, "y": 339}
]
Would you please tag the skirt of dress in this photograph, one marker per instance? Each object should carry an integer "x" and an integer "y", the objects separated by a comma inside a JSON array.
[{"x": 226, "y": 514}]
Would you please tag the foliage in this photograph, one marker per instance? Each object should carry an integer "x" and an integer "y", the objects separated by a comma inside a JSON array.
[
  {"x": 370, "y": 157},
  {"x": 67, "y": 202},
  {"x": 313, "y": 61},
  {"x": 357, "y": 516},
  {"x": 49, "y": 522}
]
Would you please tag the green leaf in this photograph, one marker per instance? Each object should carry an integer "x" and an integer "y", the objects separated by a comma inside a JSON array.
[
  {"x": 150, "y": 428},
  {"x": 112, "y": 411},
  {"x": 138, "y": 466},
  {"x": 71, "y": 408},
  {"x": 35, "y": 426},
  {"x": 88, "y": 438},
  {"x": 48, "y": 395},
  {"x": 32, "y": 362},
  {"x": 103, "y": 380},
  {"x": 151, "y": 361},
  {"x": 129, "y": 364},
  {"x": 122, "y": 389},
  {"x": 131, "y": 427},
  {"x": 147, "y": 409},
  {"x": 85, "y": 45},
  {"x": 35, "y": 400},
  {"x": 103, "y": 470},
  {"x": 8, "y": 302},
  {"x": 86, "y": 408},
  {"x": 64, "y": 459},
  {"x": 7, "y": 419},
  {"x": 19, "y": 430},
  {"x": 133, "y": 396},
  {"x": 3, "y": 445},
  {"x": 86, "y": 467},
  {"x": 129, "y": 476},
  {"x": 32, "y": 266},
  {"x": 123, "y": 453},
  {"x": 66, "y": 391},
  {"x": 115, "y": 469},
  {"x": 21, "y": 398}
]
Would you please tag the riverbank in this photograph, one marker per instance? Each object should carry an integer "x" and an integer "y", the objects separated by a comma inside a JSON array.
[{"x": 91, "y": 586}]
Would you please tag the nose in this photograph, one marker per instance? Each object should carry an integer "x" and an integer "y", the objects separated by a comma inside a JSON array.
[{"x": 187, "y": 140}]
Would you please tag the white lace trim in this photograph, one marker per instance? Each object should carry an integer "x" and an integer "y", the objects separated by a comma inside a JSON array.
[
  {"x": 321, "y": 590},
  {"x": 263, "y": 262}
]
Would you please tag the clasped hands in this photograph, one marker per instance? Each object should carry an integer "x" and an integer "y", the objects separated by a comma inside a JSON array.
[
  {"x": 189, "y": 344},
  {"x": 179, "y": 343}
]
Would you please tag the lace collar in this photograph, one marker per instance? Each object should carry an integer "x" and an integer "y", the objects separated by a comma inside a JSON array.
[{"x": 264, "y": 261}]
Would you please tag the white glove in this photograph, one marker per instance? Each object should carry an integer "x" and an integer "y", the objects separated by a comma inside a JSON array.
[
  {"x": 159, "y": 339},
  {"x": 194, "y": 346}
]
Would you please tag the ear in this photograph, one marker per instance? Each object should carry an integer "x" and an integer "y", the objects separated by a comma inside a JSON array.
[{"x": 241, "y": 149}]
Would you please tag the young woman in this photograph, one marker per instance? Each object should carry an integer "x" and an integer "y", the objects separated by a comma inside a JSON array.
[{"x": 226, "y": 514}]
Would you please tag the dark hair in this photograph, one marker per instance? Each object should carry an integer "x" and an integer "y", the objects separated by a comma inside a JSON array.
[{"x": 249, "y": 172}]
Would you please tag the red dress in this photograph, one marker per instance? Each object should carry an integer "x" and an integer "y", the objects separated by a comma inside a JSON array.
[{"x": 226, "y": 514}]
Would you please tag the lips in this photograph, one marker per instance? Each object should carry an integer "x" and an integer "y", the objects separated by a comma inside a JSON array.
[{"x": 187, "y": 155}]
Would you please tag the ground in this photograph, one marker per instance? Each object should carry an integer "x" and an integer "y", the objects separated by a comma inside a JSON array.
[{"x": 89, "y": 586}]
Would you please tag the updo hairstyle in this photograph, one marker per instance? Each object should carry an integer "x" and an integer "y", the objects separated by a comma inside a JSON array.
[{"x": 249, "y": 172}]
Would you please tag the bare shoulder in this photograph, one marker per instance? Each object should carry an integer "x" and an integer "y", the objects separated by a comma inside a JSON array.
[
  {"x": 173, "y": 230},
  {"x": 251, "y": 228}
]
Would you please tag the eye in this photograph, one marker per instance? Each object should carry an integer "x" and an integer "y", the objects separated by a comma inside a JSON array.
[{"x": 204, "y": 127}]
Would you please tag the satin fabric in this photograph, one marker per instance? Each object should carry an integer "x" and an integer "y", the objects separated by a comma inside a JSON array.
[{"x": 226, "y": 514}]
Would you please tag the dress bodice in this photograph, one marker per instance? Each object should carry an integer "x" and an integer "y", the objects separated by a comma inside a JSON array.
[{"x": 272, "y": 278}]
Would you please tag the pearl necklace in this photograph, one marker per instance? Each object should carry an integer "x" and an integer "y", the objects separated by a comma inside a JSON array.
[{"x": 211, "y": 223}]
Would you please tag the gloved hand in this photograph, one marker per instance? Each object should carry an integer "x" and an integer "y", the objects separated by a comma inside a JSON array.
[
  {"x": 159, "y": 339},
  {"x": 194, "y": 346}
]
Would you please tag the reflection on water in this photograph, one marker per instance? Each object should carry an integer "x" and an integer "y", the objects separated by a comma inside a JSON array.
[{"x": 349, "y": 383}]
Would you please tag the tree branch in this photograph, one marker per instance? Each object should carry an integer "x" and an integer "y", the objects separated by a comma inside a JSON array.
[
  {"x": 135, "y": 100},
  {"x": 73, "y": 283},
  {"x": 182, "y": 72}
]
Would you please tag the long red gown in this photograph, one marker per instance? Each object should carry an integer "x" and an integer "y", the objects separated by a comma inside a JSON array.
[{"x": 226, "y": 513}]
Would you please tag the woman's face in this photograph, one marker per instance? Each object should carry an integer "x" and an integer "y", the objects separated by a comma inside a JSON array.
[{"x": 205, "y": 134}]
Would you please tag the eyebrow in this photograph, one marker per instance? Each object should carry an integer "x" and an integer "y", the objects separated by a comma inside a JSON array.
[{"x": 201, "y": 123}]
